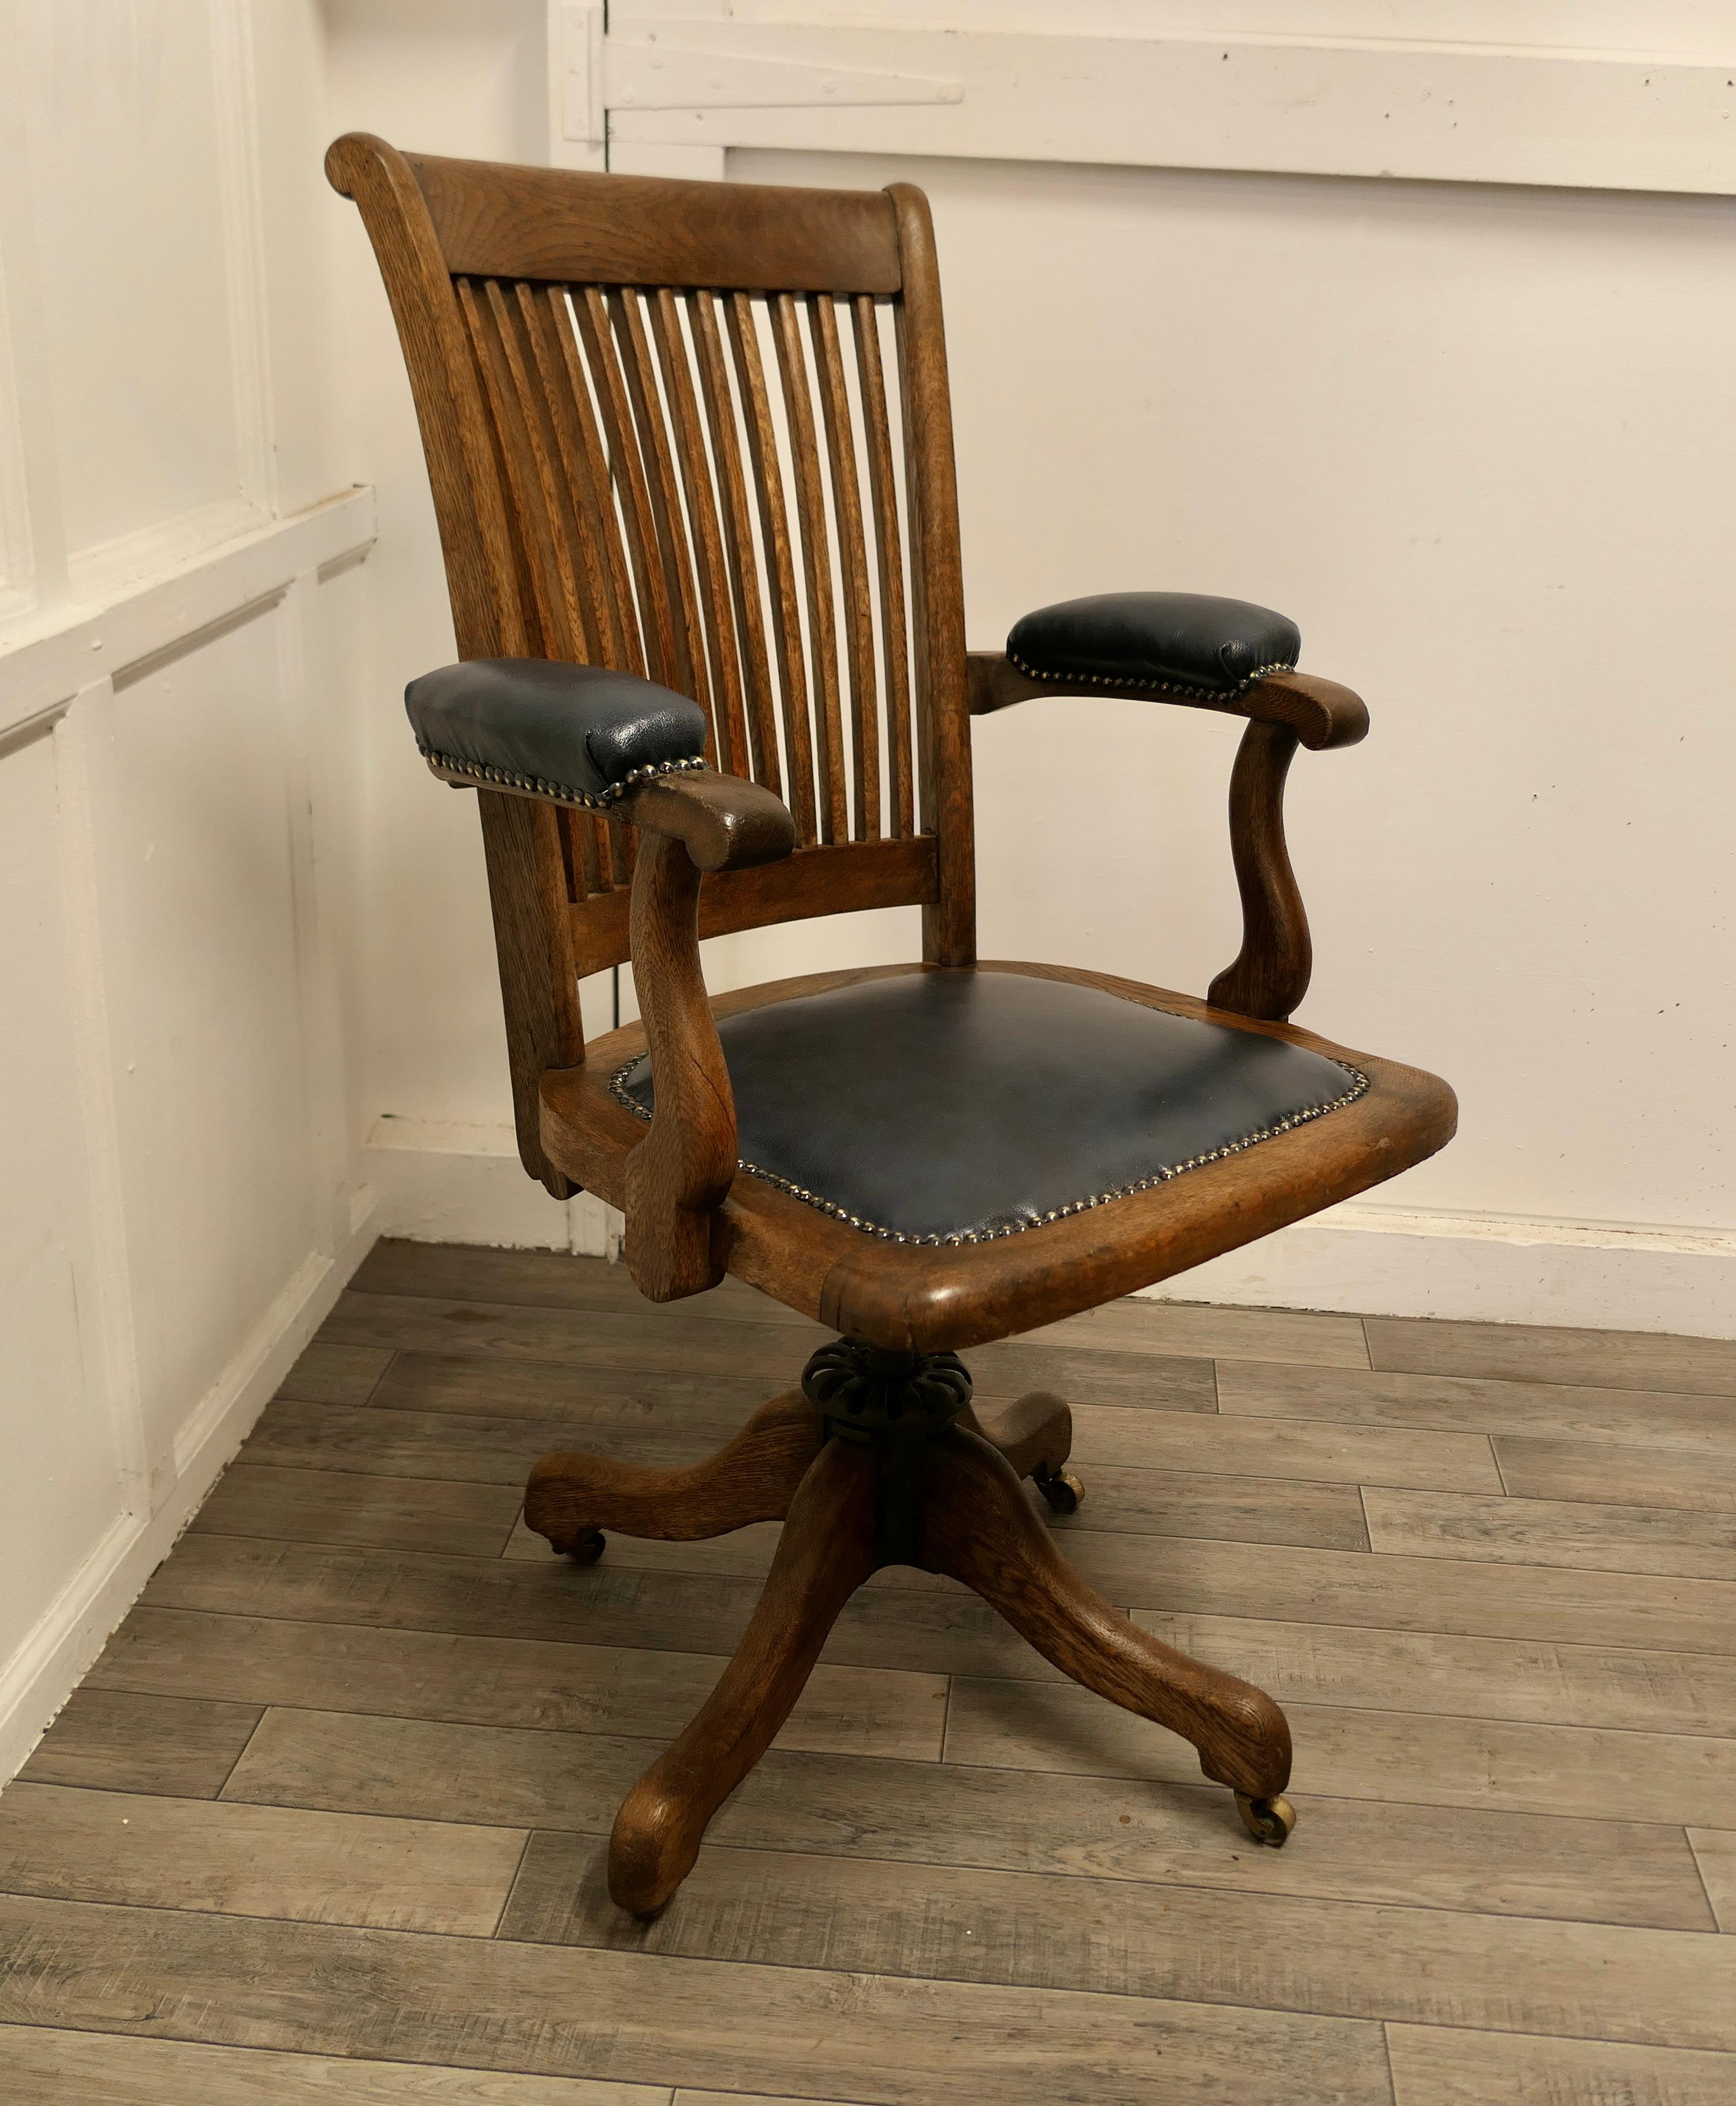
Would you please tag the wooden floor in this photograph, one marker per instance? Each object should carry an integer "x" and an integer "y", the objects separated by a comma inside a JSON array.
[{"x": 340, "y": 1786}]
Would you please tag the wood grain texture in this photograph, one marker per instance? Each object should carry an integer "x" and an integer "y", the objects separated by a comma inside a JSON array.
[
  {"x": 553, "y": 1687},
  {"x": 338, "y": 1506},
  {"x": 1605, "y": 1982},
  {"x": 1523, "y": 1531},
  {"x": 1586, "y": 1470},
  {"x": 1456, "y": 1596},
  {"x": 235, "y": 1860},
  {"x": 1521, "y": 1352},
  {"x": 1372, "y": 1754},
  {"x": 930, "y": 1629},
  {"x": 115, "y": 1740},
  {"x": 924, "y": 1815},
  {"x": 1544, "y": 1681},
  {"x": 1715, "y": 1849},
  {"x": 1457, "y": 2068},
  {"x": 48, "y": 2066},
  {"x": 336, "y": 1375},
  {"x": 1285, "y": 1449},
  {"x": 807, "y": 2031},
  {"x": 458, "y": 1272},
  {"x": 1633, "y": 1418},
  {"x": 976, "y": 1525},
  {"x": 1269, "y": 975},
  {"x": 1294, "y": 1338}
]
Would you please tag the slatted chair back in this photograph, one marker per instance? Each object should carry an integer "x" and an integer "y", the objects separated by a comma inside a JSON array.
[{"x": 699, "y": 432}]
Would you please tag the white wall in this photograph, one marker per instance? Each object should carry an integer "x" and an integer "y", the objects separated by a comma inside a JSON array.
[
  {"x": 1476, "y": 439},
  {"x": 179, "y": 589}
]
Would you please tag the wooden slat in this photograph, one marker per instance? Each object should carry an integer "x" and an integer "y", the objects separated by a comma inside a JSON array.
[
  {"x": 859, "y": 614},
  {"x": 889, "y": 554},
  {"x": 761, "y": 760},
  {"x": 554, "y": 533},
  {"x": 627, "y": 474},
  {"x": 645, "y": 1696},
  {"x": 498, "y": 2004},
  {"x": 51, "y": 2066},
  {"x": 1123, "y": 1832},
  {"x": 524, "y": 222},
  {"x": 181, "y": 1747},
  {"x": 1604, "y": 1981},
  {"x": 816, "y": 553},
  {"x": 1520, "y": 1531},
  {"x": 730, "y": 720},
  {"x": 596, "y": 526},
  {"x": 285, "y": 1861},
  {"x": 637, "y": 364},
  {"x": 774, "y": 539},
  {"x": 542, "y": 637}
]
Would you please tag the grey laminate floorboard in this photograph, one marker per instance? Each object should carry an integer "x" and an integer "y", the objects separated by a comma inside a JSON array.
[
  {"x": 1438, "y": 2067},
  {"x": 114, "y": 1740},
  {"x": 1627, "y": 1538},
  {"x": 1426, "y": 1965},
  {"x": 326, "y": 1820},
  {"x": 501, "y": 1682},
  {"x": 46, "y": 2066},
  {"x": 635, "y": 2018},
  {"x": 919, "y": 1814},
  {"x": 1524, "y": 1352}
]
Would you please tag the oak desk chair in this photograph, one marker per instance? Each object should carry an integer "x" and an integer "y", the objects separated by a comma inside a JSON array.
[{"x": 692, "y": 455}]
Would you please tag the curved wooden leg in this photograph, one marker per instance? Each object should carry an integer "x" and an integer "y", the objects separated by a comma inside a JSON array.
[
  {"x": 827, "y": 1551},
  {"x": 1033, "y": 1433},
  {"x": 979, "y": 1527},
  {"x": 753, "y": 1477}
]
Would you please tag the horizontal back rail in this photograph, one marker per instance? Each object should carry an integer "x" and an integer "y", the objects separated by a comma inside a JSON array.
[{"x": 497, "y": 222}]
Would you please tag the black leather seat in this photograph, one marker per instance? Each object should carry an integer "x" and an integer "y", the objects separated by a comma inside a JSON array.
[{"x": 946, "y": 1107}]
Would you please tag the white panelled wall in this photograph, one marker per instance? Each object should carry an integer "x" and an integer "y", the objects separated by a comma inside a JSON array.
[{"x": 1478, "y": 436}]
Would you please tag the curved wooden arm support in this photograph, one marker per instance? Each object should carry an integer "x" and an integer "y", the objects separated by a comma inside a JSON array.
[
  {"x": 1319, "y": 712},
  {"x": 1270, "y": 975},
  {"x": 723, "y": 821},
  {"x": 680, "y": 1173}
]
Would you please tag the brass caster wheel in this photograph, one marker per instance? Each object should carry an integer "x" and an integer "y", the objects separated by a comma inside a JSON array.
[
  {"x": 1060, "y": 1488},
  {"x": 1266, "y": 1820},
  {"x": 584, "y": 1548}
]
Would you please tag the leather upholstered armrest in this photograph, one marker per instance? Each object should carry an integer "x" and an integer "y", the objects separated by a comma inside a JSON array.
[
  {"x": 1186, "y": 644},
  {"x": 604, "y": 740},
  {"x": 1187, "y": 648}
]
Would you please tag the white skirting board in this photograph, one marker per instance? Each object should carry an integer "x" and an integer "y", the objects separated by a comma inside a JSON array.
[
  {"x": 445, "y": 1183},
  {"x": 48, "y": 1666},
  {"x": 1379, "y": 1261}
]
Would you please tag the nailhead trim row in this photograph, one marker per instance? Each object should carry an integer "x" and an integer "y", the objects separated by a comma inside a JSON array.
[
  {"x": 1358, "y": 1085},
  {"x": 1166, "y": 687},
  {"x": 558, "y": 792}
]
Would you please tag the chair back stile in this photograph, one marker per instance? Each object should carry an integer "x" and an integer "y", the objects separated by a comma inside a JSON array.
[{"x": 701, "y": 432}]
